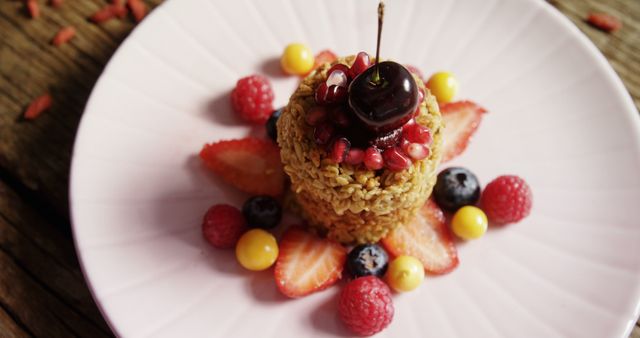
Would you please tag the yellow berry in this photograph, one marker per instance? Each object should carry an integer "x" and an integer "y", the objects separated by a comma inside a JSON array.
[
  {"x": 469, "y": 222},
  {"x": 297, "y": 59},
  {"x": 443, "y": 85},
  {"x": 405, "y": 273},
  {"x": 257, "y": 250}
]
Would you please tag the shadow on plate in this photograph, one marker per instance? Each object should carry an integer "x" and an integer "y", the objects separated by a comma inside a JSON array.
[
  {"x": 325, "y": 317},
  {"x": 271, "y": 68},
  {"x": 219, "y": 111}
]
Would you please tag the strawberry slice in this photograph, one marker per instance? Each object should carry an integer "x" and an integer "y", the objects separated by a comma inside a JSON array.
[
  {"x": 307, "y": 263},
  {"x": 250, "y": 164},
  {"x": 426, "y": 238},
  {"x": 461, "y": 120},
  {"x": 324, "y": 56}
]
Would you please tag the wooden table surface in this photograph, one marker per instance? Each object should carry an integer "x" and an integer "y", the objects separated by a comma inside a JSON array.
[{"x": 42, "y": 290}]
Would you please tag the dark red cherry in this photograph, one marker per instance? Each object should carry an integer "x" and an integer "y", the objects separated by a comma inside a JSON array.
[{"x": 387, "y": 103}]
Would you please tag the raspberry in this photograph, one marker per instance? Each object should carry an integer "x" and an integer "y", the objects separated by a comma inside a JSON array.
[
  {"x": 252, "y": 99},
  {"x": 506, "y": 199},
  {"x": 366, "y": 306},
  {"x": 223, "y": 225}
]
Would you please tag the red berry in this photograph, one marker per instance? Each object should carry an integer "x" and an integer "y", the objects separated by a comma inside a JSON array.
[
  {"x": 339, "y": 149},
  {"x": 395, "y": 159},
  {"x": 507, "y": 199},
  {"x": 417, "y": 151},
  {"x": 252, "y": 99},
  {"x": 355, "y": 156},
  {"x": 605, "y": 22},
  {"x": 316, "y": 115},
  {"x": 323, "y": 133},
  {"x": 417, "y": 133},
  {"x": 223, "y": 225},
  {"x": 361, "y": 63},
  {"x": 366, "y": 306},
  {"x": 373, "y": 159}
]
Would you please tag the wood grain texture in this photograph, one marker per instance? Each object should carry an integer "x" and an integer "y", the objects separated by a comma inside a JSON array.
[{"x": 42, "y": 291}]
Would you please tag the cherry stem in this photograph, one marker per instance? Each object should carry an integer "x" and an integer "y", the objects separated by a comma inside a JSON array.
[{"x": 376, "y": 75}]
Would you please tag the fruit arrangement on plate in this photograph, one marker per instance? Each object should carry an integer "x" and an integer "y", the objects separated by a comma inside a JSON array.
[{"x": 355, "y": 153}]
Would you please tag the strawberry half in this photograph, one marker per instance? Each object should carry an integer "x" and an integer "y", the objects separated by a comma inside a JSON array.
[
  {"x": 426, "y": 238},
  {"x": 307, "y": 263},
  {"x": 461, "y": 120},
  {"x": 324, "y": 56},
  {"x": 250, "y": 164}
]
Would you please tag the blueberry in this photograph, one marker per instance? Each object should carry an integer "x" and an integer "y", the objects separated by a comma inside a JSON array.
[
  {"x": 455, "y": 188},
  {"x": 367, "y": 259},
  {"x": 272, "y": 130},
  {"x": 262, "y": 212}
]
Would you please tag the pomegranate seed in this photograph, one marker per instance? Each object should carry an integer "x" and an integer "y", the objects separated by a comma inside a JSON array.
[
  {"x": 361, "y": 63},
  {"x": 417, "y": 151},
  {"x": 321, "y": 93},
  {"x": 316, "y": 115},
  {"x": 337, "y": 94},
  {"x": 339, "y": 117},
  {"x": 323, "y": 133},
  {"x": 355, "y": 156},
  {"x": 339, "y": 66},
  {"x": 395, "y": 159},
  {"x": 340, "y": 149},
  {"x": 404, "y": 144},
  {"x": 406, "y": 125},
  {"x": 420, "y": 96},
  {"x": 417, "y": 133},
  {"x": 373, "y": 159},
  {"x": 337, "y": 78}
]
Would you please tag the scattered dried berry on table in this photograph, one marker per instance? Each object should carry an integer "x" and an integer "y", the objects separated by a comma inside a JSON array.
[
  {"x": 63, "y": 36},
  {"x": 55, "y": 3},
  {"x": 104, "y": 14},
  {"x": 604, "y": 22},
  {"x": 138, "y": 9},
  {"x": 33, "y": 8},
  {"x": 37, "y": 106}
]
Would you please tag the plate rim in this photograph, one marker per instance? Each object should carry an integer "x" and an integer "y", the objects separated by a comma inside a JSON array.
[{"x": 631, "y": 113}]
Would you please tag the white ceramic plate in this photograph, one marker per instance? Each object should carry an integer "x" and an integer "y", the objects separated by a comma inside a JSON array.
[{"x": 559, "y": 117}]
